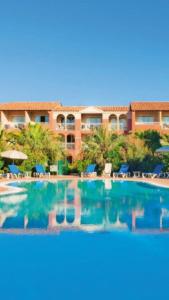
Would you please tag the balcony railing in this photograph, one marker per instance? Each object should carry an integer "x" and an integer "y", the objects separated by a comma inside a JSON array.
[
  {"x": 65, "y": 126},
  {"x": 89, "y": 126},
  {"x": 14, "y": 125},
  {"x": 70, "y": 146},
  {"x": 165, "y": 125},
  {"x": 113, "y": 126},
  {"x": 123, "y": 127},
  {"x": 147, "y": 123}
]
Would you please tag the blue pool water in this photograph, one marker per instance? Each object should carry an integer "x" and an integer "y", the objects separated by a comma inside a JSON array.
[{"x": 85, "y": 240}]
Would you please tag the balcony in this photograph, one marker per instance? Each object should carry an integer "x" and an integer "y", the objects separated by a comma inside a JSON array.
[
  {"x": 147, "y": 119},
  {"x": 147, "y": 123},
  {"x": 90, "y": 126},
  {"x": 165, "y": 125},
  {"x": 70, "y": 146},
  {"x": 113, "y": 126},
  {"x": 65, "y": 126},
  {"x": 13, "y": 125},
  {"x": 123, "y": 127},
  {"x": 116, "y": 126}
]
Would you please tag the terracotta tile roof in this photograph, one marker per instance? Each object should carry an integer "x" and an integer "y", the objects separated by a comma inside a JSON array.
[
  {"x": 70, "y": 108},
  {"x": 114, "y": 108},
  {"x": 104, "y": 108},
  {"x": 150, "y": 105},
  {"x": 54, "y": 106},
  {"x": 30, "y": 106}
]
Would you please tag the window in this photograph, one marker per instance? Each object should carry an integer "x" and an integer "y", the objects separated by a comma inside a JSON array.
[
  {"x": 41, "y": 119},
  {"x": 70, "y": 139},
  {"x": 123, "y": 123},
  {"x": 18, "y": 119},
  {"x": 145, "y": 119},
  {"x": 70, "y": 119},
  {"x": 114, "y": 121},
  {"x": 166, "y": 119},
  {"x": 93, "y": 120}
]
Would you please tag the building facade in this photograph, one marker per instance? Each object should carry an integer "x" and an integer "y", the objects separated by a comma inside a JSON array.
[{"x": 73, "y": 123}]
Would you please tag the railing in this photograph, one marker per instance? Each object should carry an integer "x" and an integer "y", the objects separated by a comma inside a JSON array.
[
  {"x": 70, "y": 146},
  {"x": 65, "y": 126},
  {"x": 113, "y": 126},
  {"x": 162, "y": 125},
  {"x": 165, "y": 125},
  {"x": 70, "y": 126},
  {"x": 60, "y": 126},
  {"x": 123, "y": 127},
  {"x": 88, "y": 126},
  {"x": 116, "y": 126},
  {"x": 147, "y": 123},
  {"x": 14, "y": 125}
]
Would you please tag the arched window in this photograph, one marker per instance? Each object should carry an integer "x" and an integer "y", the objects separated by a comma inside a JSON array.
[
  {"x": 113, "y": 122},
  {"x": 70, "y": 122},
  {"x": 123, "y": 122},
  {"x": 60, "y": 121}
]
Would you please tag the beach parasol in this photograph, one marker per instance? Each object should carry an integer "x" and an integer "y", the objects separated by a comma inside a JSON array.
[
  {"x": 163, "y": 149},
  {"x": 13, "y": 154}
]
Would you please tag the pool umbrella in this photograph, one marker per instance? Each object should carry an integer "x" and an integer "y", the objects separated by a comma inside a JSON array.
[
  {"x": 13, "y": 154},
  {"x": 163, "y": 149}
]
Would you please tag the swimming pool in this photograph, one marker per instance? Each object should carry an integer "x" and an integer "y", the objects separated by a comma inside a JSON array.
[
  {"x": 109, "y": 240},
  {"x": 85, "y": 205}
]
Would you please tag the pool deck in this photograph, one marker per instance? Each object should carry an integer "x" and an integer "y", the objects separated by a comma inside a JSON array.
[{"x": 4, "y": 189}]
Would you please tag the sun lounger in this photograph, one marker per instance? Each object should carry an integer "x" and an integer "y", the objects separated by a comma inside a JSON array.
[
  {"x": 123, "y": 172},
  {"x": 90, "y": 171},
  {"x": 40, "y": 171},
  {"x": 15, "y": 172},
  {"x": 107, "y": 169},
  {"x": 157, "y": 172}
]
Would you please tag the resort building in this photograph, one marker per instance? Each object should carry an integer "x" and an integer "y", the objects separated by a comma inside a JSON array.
[
  {"x": 150, "y": 115},
  {"x": 73, "y": 123}
]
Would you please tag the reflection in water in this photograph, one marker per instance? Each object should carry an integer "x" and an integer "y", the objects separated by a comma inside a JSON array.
[
  {"x": 87, "y": 205},
  {"x": 13, "y": 198}
]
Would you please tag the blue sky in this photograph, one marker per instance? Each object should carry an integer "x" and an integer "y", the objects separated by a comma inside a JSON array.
[{"x": 84, "y": 52}]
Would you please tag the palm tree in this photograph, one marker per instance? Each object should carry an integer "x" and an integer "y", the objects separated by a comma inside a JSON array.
[
  {"x": 98, "y": 146},
  {"x": 151, "y": 139},
  {"x": 104, "y": 146},
  {"x": 2, "y": 140},
  {"x": 40, "y": 144}
]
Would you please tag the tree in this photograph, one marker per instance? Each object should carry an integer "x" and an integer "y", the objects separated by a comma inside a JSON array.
[
  {"x": 151, "y": 139},
  {"x": 40, "y": 144},
  {"x": 103, "y": 146},
  {"x": 98, "y": 146},
  {"x": 132, "y": 150}
]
